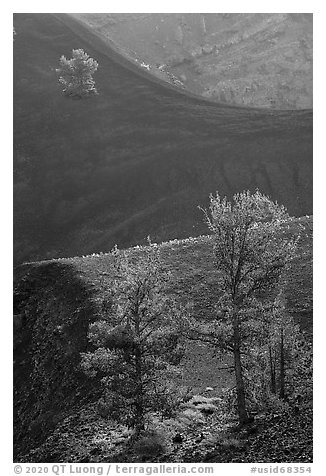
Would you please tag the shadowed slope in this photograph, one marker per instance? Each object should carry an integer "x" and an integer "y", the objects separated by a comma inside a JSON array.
[{"x": 137, "y": 159}]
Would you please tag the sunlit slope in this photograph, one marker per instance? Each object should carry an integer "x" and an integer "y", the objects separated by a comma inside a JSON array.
[
  {"x": 137, "y": 159},
  {"x": 256, "y": 59}
]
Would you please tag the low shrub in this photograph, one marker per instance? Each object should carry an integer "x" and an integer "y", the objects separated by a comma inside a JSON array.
[{"x": 150, "y": 443}]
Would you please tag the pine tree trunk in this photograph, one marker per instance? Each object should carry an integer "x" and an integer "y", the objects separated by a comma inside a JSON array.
[
  {"x": 282, "y": 367},
  {"x": 241, "y": 396},
  {"x": 139, "y": 401},
  {"x": 272, "y": 371}
]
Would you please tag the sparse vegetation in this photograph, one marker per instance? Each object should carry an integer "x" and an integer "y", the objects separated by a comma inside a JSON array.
[
  {"x": 204, "y": 427},
  {"x": 191, "y": 350}
]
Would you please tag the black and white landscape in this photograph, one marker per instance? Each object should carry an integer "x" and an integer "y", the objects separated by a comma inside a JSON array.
[{"x": 163, "y": 238}]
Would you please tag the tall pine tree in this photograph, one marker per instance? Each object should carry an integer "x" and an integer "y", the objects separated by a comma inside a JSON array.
[{"x": 250, "y": 257}]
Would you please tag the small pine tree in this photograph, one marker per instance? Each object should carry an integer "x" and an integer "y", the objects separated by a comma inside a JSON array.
[
  {"x": 76, "y": 74},
  {"x": 137, "y": 345},
  {"x": 250, "y": 257},
  {"x": 273, "y": 360}
]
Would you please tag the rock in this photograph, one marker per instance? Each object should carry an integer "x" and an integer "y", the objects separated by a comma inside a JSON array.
[
  {"x": 178, "y": 438},
  {"x": 200, "y": 438},
  {"x": 207, "y": 410},
  {"x": 209, "y": 389}
]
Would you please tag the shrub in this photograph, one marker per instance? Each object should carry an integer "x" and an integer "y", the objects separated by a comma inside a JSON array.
[{"x": 149, "y": 443}]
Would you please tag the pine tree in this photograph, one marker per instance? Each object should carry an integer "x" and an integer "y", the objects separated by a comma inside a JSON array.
[
  {"x": 76, "y": 74},
  {"x": 138, "y": 348},
  {"x": 250, "y": 257},
  {"x": 291, "y": 351},
  {"x": 273, "y": 359}
]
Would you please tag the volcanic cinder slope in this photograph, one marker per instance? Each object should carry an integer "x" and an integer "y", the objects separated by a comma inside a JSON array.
[
  {"x": 257, "y": 59},
  {"x": 137, "y": 159},
  {"x": 55, "y": 301}
]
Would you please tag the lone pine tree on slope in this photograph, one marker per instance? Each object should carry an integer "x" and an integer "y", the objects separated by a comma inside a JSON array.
[{"x": 76, "y": 74}]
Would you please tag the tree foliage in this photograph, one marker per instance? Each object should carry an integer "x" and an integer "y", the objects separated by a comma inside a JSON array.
[
  {"x": 137, "y": 345},
  {"x": 76, "y": 74},
  {"x": 250, "y": 258},
  {"x": 276, "y": 369}
]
